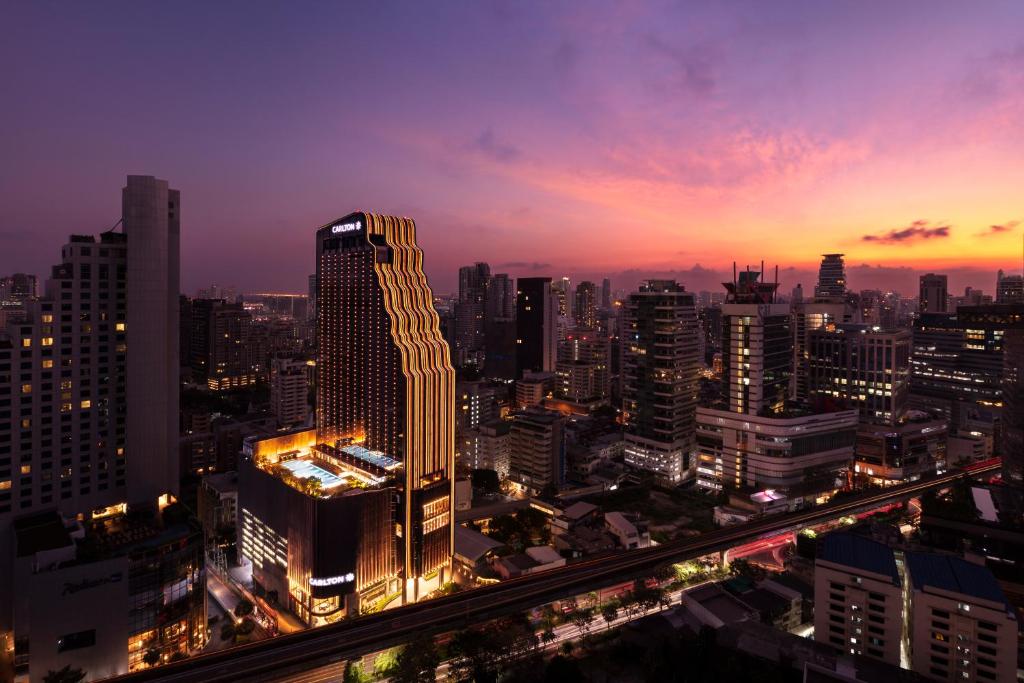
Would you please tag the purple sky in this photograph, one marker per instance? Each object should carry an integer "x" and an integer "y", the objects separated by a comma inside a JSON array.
[{"x": 546, "y": 138}]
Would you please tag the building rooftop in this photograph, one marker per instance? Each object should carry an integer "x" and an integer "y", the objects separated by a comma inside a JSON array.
[
  {"x": 578, "y": 511},
  {"x": 372, "y": 457},
  {"x": 472, "y": 545},
  {"x": 859, "y": 552},
  {"x": 40, "y": 532},
  {"x": 953, "y": 574}
]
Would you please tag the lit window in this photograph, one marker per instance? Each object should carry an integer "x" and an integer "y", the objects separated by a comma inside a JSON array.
[
  {"x": 119, "y": 327},
  {"x": 26, "y": 342},
  {"x": 65, "y": 407},
  {"x": 47, "y": 341},
  {"x": 26, "y": 423},
  {"x": 26, "y": 469},
  {"x": 26, "y": 388},
  {"x": 47, "y": 317},
  {"x": 48, "y": 363},
  {"x": 5, "y": 485},
  {"x": 86, "y": 403}
]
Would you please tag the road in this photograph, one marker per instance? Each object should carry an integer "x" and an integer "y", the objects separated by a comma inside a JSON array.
[{"x": 300, "y": 652}]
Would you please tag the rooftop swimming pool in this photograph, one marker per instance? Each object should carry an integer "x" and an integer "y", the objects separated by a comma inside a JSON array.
[{"x": 304, "y": 468}]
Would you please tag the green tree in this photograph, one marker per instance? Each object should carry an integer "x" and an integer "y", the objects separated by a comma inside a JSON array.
[
  {"x": 582, "y": 619},
  {"x": 417, "y": 662},
  {"x": 610, "y": 612},
  {"x": 354, "y": 672},
  {"x": 64, "y": 675}
]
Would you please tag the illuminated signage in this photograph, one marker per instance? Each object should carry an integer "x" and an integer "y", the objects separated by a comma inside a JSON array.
[
  {"x": 341, "y": 228},
  {"x": 333, "y": 580}
]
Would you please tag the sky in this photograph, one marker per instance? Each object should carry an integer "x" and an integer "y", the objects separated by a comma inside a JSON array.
[{"x": 588, "y": 139}]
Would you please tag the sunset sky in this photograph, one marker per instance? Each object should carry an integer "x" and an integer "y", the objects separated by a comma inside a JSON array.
[{"x": 555, "y": 138}]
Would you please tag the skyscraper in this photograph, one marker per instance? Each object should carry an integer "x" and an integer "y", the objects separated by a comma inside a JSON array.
[
  {"x": 831, "y": 278},
  {"x": 384, "y": 379},
  {"x": 757, "y": 346},
  {"x": 93, "y": 434},
  {"x": 469, "y": 313},
  {"x": 606, "y": 293},
  {"x": 660, "y": 379},
  {"x": 934, "y": 294},
  {"x": 220, "y": 348},
  {"x": 501, "y": 297},
  {"x": 536, "y": 325},
  {"x": 585, "y": 310}
]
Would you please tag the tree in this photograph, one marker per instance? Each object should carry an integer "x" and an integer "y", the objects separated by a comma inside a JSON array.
[
  {"x": 243, "y": 608},
  {"x": 353, "y": 672},
  {"x": 547, "y": 635},
  {"x": 64, "y": 675},
  {"x": 582, "y": 618},
  {"x": 486, "y": 480},
  {"x": 152, "y": 657},
  {"x": 610, "y": 612},
  {"x": 417, "y": 662}
]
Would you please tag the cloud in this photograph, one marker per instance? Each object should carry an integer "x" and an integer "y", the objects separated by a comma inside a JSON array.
[
  {"x": 998, "y": 229},
  {"x": 918, "y": 230},
  {"x": 489, "y": 146},
  {"x": 694, "y": 66},
  {"x": 525, "y": 265}
]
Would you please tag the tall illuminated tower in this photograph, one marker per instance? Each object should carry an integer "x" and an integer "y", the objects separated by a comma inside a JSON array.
[{"x": 385, "y": 380}]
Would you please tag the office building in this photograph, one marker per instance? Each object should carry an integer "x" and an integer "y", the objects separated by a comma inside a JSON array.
[
  {"x": 289, "y": 390},
  {"x": 957, "y": 363},
  {"x": 803, "y": 455},
  {"x": 606, "y": 293},
  {"x": 536, "y": 325},
  {"x": 501, "y": 298},
  {"x": 660, "y": 383},
  {"x": 222, "y": 345},
  {"x": 533, "y": 388},
  {"x": 831, "y": 278},
  {"x": 358, "y": 510},
  {"x": 585, "y": 309},
  {"x": 537, "y": 449},
  {"x": 562, "y": 290},
  {"x": 474, "y": 403},
  {"x": 858, "y": 597},
  {"x": 934, "y": 295},
  {"x": 1009, "y": 289},
  {"x": 912, "y": 447},
  {"x": 806, "y": 318},
  {"x": 757, "y": 346},
  {"x": 469, "y": 313},
  {"x": 861, "y": 367},
  {"x": 960, "y": 625},
  {"x": 1011, "y": 425}
]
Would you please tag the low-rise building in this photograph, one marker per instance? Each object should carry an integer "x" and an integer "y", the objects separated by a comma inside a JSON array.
[
  {"x": 961, "y": 626},
  {"x": 906, "y": 451},
  {"x": 858, "y": 597},
  {"x": 631, "y": 533}
]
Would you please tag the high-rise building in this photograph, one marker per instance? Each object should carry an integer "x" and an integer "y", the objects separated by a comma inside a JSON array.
[
  {"x": 311, "y": 308},
  {"x": 912, "y": 447},
  {"x": 91, "y": 376},
  {"x": 831, "y": 278},
  {"x": 870, "y": 312},
  {"x": 934, "y": 294},
  {"x": 501, "y": 298},
  {"x": 858, "y": 597},
  {"x": 660, "y": 379},
  {"x": 862, "y": 367},
  {"x": 536, "y": 325},
  {"x": 221, "y": 345},
  {"x": 384, "y": 379},
  {"x": 1011, "y": 424},
  {"x": 957, "y": 363},
  {"x": 469, "y": 313},
  {"x": 583, "y": 366},
  {"x": 805, "y": 318},
  {"x": 585, "y": 310},
  {"x": 1009, "y": 288},
  {"x": 960, "y": 625},
  {"x": 606, "y": 293},
  {"x": 288, "y": 391},
  {"x": 563, "y": 295},
  {"x": 757, "y": 346},
  {"x": 537, "y": 449}
]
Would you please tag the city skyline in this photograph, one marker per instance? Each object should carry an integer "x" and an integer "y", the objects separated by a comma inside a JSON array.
[{"x": 540, "y": 126}]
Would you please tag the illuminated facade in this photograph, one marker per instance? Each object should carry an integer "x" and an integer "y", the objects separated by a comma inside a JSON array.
[{"x": 385, "y": 379}]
